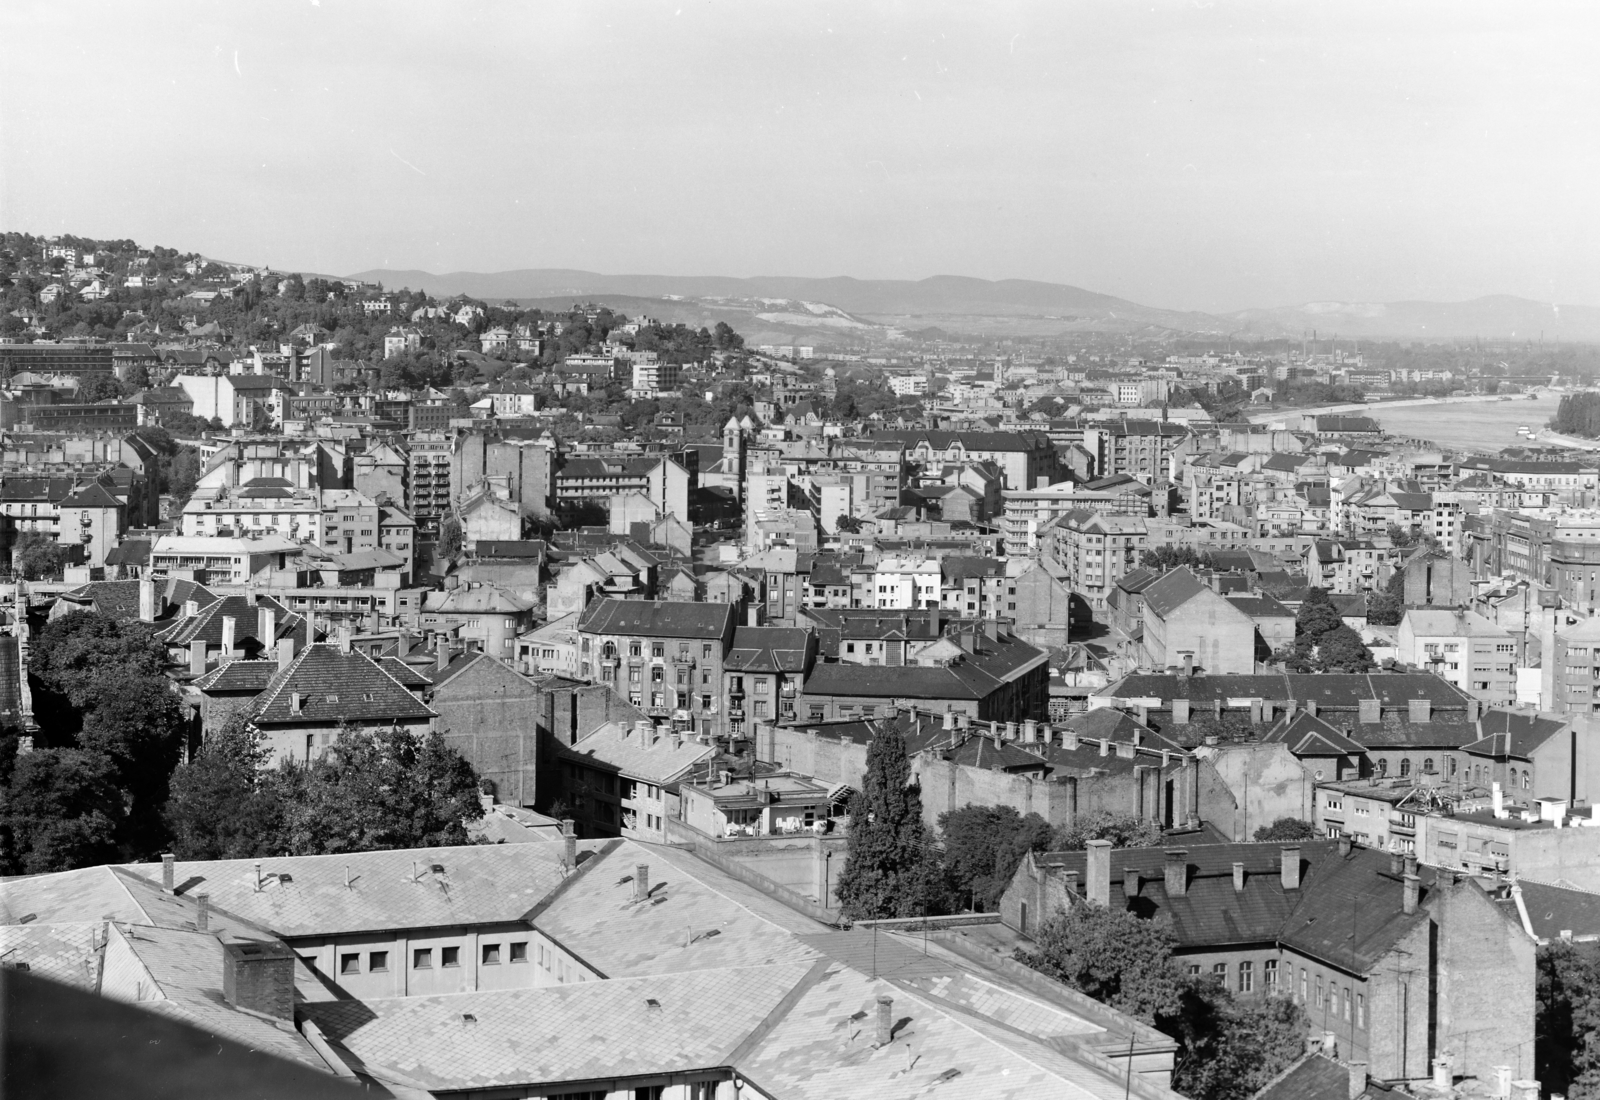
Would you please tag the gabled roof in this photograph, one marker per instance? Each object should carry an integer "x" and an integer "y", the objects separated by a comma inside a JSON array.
[
  {"x": 335, "y": 687},
  {"x": 1514, "y": 733},
  {"x": 640, "y": 754},
  {"x": 768, "y": 649},
  {"x": 1308, "y": 735}
]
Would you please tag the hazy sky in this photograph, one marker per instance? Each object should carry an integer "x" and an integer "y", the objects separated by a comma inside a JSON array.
[{"x": 1191, "y": 155}]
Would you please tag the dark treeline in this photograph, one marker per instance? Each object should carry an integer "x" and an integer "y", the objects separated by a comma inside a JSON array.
[{"x": 1579, "y": 414}]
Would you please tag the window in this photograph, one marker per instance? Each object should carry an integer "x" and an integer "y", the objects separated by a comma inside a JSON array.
[
  {"x": 1383, "y": 768},
  {"x": 1527, "y": 779},
  {"x": 1269, "y": 975},
  {"x": 1247, "y": 977},
  {"x": 1194, "y": 970},
  {"x": 658, "y": 650},
  {"x": 1321, "y": 1000},
  {"x": 491, "y": 954},
  {"x": 705, "y": 652},
  {"x": 1219, "y": 971},
  {"x": 519, "y": 951},
  {"x": 422, "y": 958},
  {"x": 378, "y": 962},
  {"x": 449, "y": 956},
  {"x": 1427, "y": 765},
  {"x": 1302, "y": 985},
  {"x": 1405, "y": 768},
  {"x": 633, "y": 649},
  {"x": 1345, "y": 999},
  {"x": 1361, "y": 1010},
  {"x": 351, "y": 963}
]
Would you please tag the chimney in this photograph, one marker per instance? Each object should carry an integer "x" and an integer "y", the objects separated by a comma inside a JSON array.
[
  {"x": 1311, "y": 709},
  {"x": 1180, "y": 712},
  {"x": 285, "y": 653},
  {"x": 1411, "y": 865},
  {"x": 1473, "y": 707},
  {"x": 1442, "y": 1078},
  {"x": 230, "y": 634},
  {"x": 949, "y": 721},
  {"x": 1105, "y": 746},
  {"x": 1330, "y": 1044},
  {"x": 266, "y": 627},
  {"x": 1499, "y": 799},
  {"x": 147, "y": 601},
  {"x": 752, "y": 614},
  {"x": 1526, "y": 1089},
  {"x": 191, "y": 608},
  {"x": 1344, "y": 847},
  {"x": 1030, "y": 731},
  {"x": 441, "y": 652},
  {"x": 1130, "y": 882},
  {"x": 1289, "y": 866},
  {"x": 1413, "y": 883},
  {"x": 641, "y": 881},
  {"x": 259, "y": 977},
  {"x": 1368, "y": 711},
  {"x": 1069, "y": 738},
  {"x": 569, "y": 840},
  {"x": 885, "y": 1029},
  {"x": 167, "y": 859},
  {"x": 1238, "y": 878},
  {"x": 1397, "y": 864},
  {"x": 1358, "y": 1078},
  {"x": 1098, "y": 861},
  {"x": 1420, "y": 710},
  {"x": 296, "y": 700},
  {"x": 1500, "y": 1089},
  {"x": 403, "y": 644},
  {"x": 1188, "y": 666},
  {"x": 202, "y": 913},
  {"x": 344, "y": 640},
  {"x": 197, "y": 657},
  {"x": 1176, "y": 870}
]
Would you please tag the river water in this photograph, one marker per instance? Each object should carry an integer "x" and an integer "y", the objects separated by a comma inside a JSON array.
[{"x": 1484, "y": 426}]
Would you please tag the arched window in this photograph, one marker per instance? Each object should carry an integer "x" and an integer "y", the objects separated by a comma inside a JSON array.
[
  {"x": 1513, "y": 774},
  {"x": 1527, "y": 778},
  {"x": 1383, "y": 768},
  {"x": 1405, "y": 768},
  {"x": 609, "y": 651},
  {"x": 1427, "y": 765},
  {"x": 1453, "y": 763}
]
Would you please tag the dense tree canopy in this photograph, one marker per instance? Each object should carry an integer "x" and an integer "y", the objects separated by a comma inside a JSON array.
[
  {"x": 1287, "y": 828},
  {"x": 983, "y": 846},
  {"x": 1323, "y": 642},
  {"x": 890, "y": 870},
  {"x": 1169, "y": 556},
  {"x": 1123, "y": 830}
]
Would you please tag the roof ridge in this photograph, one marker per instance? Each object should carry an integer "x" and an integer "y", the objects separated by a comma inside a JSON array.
[{"x": 270, "y": 694}]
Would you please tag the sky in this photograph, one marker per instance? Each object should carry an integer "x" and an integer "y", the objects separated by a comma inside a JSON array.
[{"x": 1197, "y": 155}]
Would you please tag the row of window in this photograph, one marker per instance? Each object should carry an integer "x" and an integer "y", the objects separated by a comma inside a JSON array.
[{"x": 422, "y": 958}]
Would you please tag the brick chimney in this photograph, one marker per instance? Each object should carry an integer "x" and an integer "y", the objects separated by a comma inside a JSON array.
[
  {"x": 1358, "y": 1078},
  {"x": 1344, "y": 847},
  {"x": 441, "y": 652},
  {"x": 1397, "y": 864},
  {"x": 1289, "y": 866},
  {"x": 167, "y": 859},
  {"x": 641, "y": 881},
  {"x": 259, "y": 977},
  {"x": 569, "y": 840},
  {"x": 885, "y": 1028},
  {"x": 1526, "y": 1089},
  {"x": 1413, "y": 886},
  {"x": 1098, "y": 864},
  {"x": 1176, "y": 871},
  {"x": 1238, "y": 878},
  {"x": 1311, "y": 709},
  {"x": 1411, "y": 864},
  {"x": 202, "y": 913}
]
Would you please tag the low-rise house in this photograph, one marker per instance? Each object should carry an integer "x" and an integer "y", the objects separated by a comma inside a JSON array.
[
  {"x": 482, "y": 613},
  {"x": 623, "y": 779}
]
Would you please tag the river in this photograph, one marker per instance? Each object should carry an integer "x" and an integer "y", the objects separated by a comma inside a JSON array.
[{"x": 1484, "y": 426}]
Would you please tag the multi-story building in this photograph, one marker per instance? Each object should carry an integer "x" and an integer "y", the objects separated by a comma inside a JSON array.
[
  {"x": 665, "y": 657},
  {"x": 590, "y": 482},
  {"x": 651, "y": 376},
  {"x": 1464, "y": 648},
  {"x": 1025, "y": 459},
  {"x": 1139, "y": 448},
  {"x": 520, "y": 470},
  {"x": 1094, "y": 550},
  {"x": 764, "y": 671},
  {"x": 1029, "y": 513},
  {"x": 429, "y": 461}
]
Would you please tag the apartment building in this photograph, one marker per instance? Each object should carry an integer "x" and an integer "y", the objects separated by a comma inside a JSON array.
[
  {"x": 1094, "y": 550},
  {"x": 665, "y": 657},
  {"x": 429, "y": 460},
  {"x": 1464, "y": 648}
]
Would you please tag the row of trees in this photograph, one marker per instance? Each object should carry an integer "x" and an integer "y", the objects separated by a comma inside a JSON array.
[
  {"x": 1578, "y": 414},
  {"x": 104, "y": 781}
]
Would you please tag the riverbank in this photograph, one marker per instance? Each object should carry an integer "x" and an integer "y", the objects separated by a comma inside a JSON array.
[{"x": 1374, "y": 408}]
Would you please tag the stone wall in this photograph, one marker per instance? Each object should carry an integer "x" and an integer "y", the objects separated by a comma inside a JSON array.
[
  {"x": 1266, "y": 781},
  {"x": 1485, "y": 977}
]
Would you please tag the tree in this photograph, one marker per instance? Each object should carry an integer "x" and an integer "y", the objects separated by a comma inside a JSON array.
[
  {"x": 1322, "y": 641},
  {"x": 889, "y": 871},
  {"x": 1287, "y": 828},
  {"x": 450, "y": 539},
  {"x": 1112, "y": 955},
  {"x": 223, "y": 805},
  {"x": 379, "y": 789},
  {"x": 849, "y": 525},
  {"x": 37, "y": 556},
  {"x": 1386, "y": 608},
  {"x": 1230, "y": 1049},
  {"x": 136, "y": 723},
  {"x": 62, "y": 810},
  {"x": 72, "y": 652},
  {"x": 983, "y": 846},
  {"x": 1342, "y": 650},
  {"x": 1123, "y": 830},
  {"x": 1566, "y": 1041},
  {"x": 1163, "y": 558}
]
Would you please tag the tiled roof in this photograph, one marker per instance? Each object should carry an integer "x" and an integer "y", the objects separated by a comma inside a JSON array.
[
  {"x": 63, "y": 951},
  {"x": 639, "y": 755},
  {"x": 658, "y": 618},
  {"x": 1329, "y": 689},
  {"x": 581, "y": 1032},
  {"x": 983, "y": 752},
  {"x": 1514, "y": 733},
  {"x": 696, "y": 919},
  {"x": 239, "y": 676},
  {"x": 336, "y": 687},
  {"x": 304, "y": 896},
  {"x": 245, "y": 612},
  {"x": 1171, "y": 592},
  {"x": 768, "y": 649},
  {"x": 1553, "y": 910},
  {"x": 1308, "y": 735},
  {"x": 1261, "y": 607},
  {"x": 1314, "y": 1077}
]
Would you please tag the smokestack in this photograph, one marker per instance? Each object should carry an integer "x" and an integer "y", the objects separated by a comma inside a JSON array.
[
  {"x": 1099, "y": 867},
  {"x": 1289, "y": 866},
  {"x": 1413, "y": 885},
  {"x": 1442, "y": 1078},
  {"x": 167, "y": 859},
  {"x": 641, "y": 881},
  {"x": 147, "y": 601},
  {"x": 885, "y": 1029},
  {"x": 1176, "y": 870},
  {"x": 259, "y": 977},
  {"x": 202, "y": 913}
]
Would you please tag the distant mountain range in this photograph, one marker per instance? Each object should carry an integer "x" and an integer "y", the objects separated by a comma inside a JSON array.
[{"x": 842, "y": 310}]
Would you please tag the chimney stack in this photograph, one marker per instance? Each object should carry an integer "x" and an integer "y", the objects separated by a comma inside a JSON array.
[
  {"x": 1176, "y": 870},
  {"x": 1238, "y": 878},
  {"x": 259, "y": 977},
  {"x": 1411, "y": 864},
  {"x": 230, "y": 635},
  {"x": 885, "y": 1029},
  {"x": 1413, "y": 884},
  {"x": 167, "y": 859},
  {"x": 1397, "y": 864},
  {"x": 1501, "y": 1088},
  {"x": 949, "y": 721},
  {"x": 147, "y": 601},
  {"x": 1289, "y": 866},
  {"x": 1442, "y": 1078},
  {"x": 1105, "y": 746},
  {"x": 1344, "y": 846},
  {"x": 1358, "y": 1078},
  {"x": 1098, "y": 862},
  {"x": 441, "y": 652},
  {"x": 266, "y": 627},
  {"x": 1526, "y": 1089},
  {"x": 285, "y": 653},
  {"x": 1030, "y": 731},
  {"x": 641, "y": 881},
  {"x": 202, "y": 913},
  {"x": 569, "y": 840},
  {"x": 344, "y": 639},
  {"x": 191, "y": 608},
  {"x": 197, "y": 657}
]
